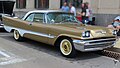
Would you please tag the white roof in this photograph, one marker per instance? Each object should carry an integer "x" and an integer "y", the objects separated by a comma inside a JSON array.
[
  {"x": 40, "y": 11},
  {"x": 45, "y": 11}
]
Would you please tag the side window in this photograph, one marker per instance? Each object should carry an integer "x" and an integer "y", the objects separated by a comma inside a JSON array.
[
  {"x": 59, "y": 18},
  {"x": 39, "y": 17},
  {"x": 30, "y": 18}
]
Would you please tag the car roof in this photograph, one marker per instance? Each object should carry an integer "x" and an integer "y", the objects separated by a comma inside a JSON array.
[{"x": 45, "y": 11}]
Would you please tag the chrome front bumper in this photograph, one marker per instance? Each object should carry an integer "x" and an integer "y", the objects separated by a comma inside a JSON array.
[{"x": 93, "y": 44}]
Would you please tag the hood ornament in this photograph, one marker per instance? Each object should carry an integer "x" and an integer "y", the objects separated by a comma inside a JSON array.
[
  {"x": 81, "y": 28},
  {"x": 101, "y": 31}
]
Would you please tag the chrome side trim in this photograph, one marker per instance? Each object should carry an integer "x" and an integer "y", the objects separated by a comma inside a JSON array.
[{"x": 22, "y": 32}]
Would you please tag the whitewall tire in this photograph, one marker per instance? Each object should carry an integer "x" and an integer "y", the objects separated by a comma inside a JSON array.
[
  {"x": 16, "y": 35},
  {"x": 67, "y": 48}
]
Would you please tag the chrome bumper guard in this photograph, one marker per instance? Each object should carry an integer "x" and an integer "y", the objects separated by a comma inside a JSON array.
[{"x": 94, "y": 44}]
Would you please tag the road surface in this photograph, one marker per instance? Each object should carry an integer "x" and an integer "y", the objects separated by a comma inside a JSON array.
[{"x": 31, "y": 54}]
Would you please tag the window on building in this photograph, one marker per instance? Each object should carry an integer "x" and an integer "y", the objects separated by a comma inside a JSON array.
[
  {"x": 41, "y": 4},
  {"x": 21, "y": 4},
  {"x": 76, "y": 3}
]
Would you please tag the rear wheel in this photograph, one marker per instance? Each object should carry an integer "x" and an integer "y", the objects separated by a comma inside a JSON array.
[
  {"x": 16, "y": 35},
  {"x": 66, "y": 48}
]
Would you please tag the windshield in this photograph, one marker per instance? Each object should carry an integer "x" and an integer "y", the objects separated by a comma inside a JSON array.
[{"x": 61, "y": 18}]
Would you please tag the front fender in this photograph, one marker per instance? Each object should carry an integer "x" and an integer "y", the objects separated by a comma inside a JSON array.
[
  {"x": 66, "y": 35},
  {"x": 70, "y": 36}
]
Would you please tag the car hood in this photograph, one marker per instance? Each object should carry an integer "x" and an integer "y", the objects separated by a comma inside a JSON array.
[
  {"x": 81, "y": 27},
  {"x": 6, "y": 6},
  {"x": 96, "y": 31}
]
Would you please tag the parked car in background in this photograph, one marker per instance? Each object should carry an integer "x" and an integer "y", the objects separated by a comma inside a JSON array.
[
  {"x": 60, "y": 29},
  {"x": 6, "y": 8}
]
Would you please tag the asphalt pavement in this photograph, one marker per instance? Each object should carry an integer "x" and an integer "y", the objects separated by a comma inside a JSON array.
[{"x": 32, "y": 54}]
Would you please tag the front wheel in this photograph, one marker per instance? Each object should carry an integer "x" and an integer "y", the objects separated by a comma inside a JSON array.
[
  {"x": 17, "y": 36},
  {"x": 66, "y": 48}
]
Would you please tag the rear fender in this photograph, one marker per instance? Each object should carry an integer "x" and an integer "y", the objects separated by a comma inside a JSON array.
[{"x": 8, "y": 28}]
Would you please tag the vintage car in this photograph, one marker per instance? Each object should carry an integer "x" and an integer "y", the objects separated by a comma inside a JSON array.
[
  {"x": 60, "y": 29},
  {"x": 6, "y": 8}
]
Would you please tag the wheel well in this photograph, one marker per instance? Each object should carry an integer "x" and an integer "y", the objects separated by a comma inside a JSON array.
[{"x": 61, "y": 37}]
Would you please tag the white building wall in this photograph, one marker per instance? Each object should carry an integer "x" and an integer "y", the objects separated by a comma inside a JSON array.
[
  {"x": 105, "y": 6},
  {"x": 30, "y": 4},
  {"x": 54, "y": 4}
]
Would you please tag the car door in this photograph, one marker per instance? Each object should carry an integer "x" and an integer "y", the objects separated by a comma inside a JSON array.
[{"x": 37, "y": 28}]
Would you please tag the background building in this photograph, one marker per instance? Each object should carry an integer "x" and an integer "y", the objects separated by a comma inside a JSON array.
[
  {"x": 104, "y": 10},
  {"x": 44, "y": 4}
]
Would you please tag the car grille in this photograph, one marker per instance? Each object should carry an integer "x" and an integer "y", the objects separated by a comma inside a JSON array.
[{"x": 96, "y": 43}]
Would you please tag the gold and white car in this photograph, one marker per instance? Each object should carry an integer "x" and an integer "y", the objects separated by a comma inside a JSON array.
[{"x": 60, "y": 29}]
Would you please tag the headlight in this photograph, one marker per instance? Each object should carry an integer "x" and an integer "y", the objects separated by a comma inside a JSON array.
[
  {"x": 114, "y": 32},
  {"x": 86, "y": 34}
]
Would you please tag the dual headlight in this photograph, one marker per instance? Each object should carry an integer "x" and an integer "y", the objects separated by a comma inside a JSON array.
[
  {"x": 114, "y": 32},
  {"x": 86, "y": 34}
]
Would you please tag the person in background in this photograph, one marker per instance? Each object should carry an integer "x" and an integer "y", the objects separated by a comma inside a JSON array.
[
  {"x": 89, "y": 14},
  {"x": 116, "y": 23},
  {"x": 83, "y": 13},
  {"x": 65, "y": 8},
  {"x": 72, "y": 9}
]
